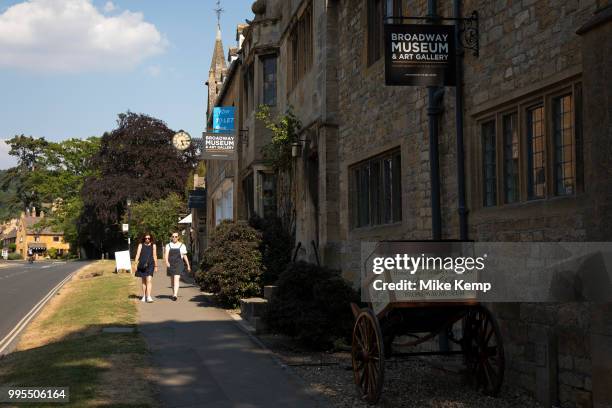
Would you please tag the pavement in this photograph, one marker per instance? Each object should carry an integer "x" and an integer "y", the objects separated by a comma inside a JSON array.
[
  {"x": 22, "y": 287},
  {"x": 202, "y": 358}
]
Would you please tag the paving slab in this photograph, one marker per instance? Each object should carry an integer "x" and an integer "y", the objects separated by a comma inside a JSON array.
[{"x": 203, "y": 358}]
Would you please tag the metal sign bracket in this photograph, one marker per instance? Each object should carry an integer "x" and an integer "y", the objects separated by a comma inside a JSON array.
[{"x": 468, "y": 29}]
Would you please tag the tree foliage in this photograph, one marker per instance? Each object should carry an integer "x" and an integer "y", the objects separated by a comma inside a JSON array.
[
  {"x": 158, "y": 217},
  {"x": 51, "y": 174},
  {"x": 136, "y": 161},
  {"x": 285, "y": 129}
]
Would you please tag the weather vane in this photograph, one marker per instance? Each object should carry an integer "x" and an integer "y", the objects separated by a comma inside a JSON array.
[{"x": 219, "y": 10}]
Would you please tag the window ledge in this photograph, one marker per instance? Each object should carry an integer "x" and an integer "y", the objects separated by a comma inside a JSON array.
[
  {"x": 374, "y": 228},
  {"x": 555, "y": 203}
]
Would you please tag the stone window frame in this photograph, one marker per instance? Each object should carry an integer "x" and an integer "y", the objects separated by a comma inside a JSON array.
[
  {"x": 300, "y": 46},
  {"x": 262, "y": 59},
  {"x": 376, "y": 215},
  {"x": 521, "y": 107}
]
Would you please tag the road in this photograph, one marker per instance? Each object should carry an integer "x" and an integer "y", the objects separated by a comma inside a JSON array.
[{"x": 23, "y": 285}]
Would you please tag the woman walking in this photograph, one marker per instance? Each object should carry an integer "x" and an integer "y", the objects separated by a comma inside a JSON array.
[
  {"x": 175, "y": 256},
  {"x": 146, "y": 265}
]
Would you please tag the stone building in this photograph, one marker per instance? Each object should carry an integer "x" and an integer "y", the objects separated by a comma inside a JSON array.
[
  {"x": 220, "y": 174},
  {"x": 534, "y": 167},
  {"x": 41, "y": 240},
  {"x": 537, "y": 145}
]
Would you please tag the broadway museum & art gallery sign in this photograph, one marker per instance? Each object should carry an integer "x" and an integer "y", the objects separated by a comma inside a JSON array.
[{"x": 419, "y": 55}]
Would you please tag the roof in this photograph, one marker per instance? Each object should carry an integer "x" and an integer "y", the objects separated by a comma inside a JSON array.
[
  {"x": 12, "y": 233},
  {"x": 30, "y": 223},
  {"x": 218, "y": 59}
]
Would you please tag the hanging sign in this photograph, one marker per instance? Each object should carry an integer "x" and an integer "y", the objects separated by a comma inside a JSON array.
[
  {"x": 419, "y": 55},
  {"x": 218, "y": 146},
  {"x": 223, "y": 119}
]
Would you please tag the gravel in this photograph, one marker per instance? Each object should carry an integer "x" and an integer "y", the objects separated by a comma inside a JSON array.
[{"x": 415, "y": 382}]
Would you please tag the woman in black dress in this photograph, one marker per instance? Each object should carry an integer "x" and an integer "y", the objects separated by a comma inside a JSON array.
[
  {"x": 175, "y": 256},
  {"x": 146, "y": 265}
]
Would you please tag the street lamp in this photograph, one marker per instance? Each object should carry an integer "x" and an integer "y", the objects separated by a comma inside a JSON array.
[{"x": 129, "y": 206}]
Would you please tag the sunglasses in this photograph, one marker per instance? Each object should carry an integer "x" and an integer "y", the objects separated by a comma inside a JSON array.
[
  {"x": 147, "y": 238},
  {"x": 175, "y": 236}
]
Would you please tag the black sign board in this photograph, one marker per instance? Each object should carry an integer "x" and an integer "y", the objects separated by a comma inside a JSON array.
[
  {"x": 218, "y": 146},
  {"x": 419, "y": 55}
]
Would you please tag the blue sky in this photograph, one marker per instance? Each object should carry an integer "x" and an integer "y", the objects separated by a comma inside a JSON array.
[{"x": 68, "y": 67}]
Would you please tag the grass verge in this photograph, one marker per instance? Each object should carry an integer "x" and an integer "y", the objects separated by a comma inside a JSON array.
[{"x": 65, "y": 346}]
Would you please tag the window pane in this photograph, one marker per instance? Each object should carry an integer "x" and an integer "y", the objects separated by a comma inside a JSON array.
[
  {"x": 388, "y": 190},
  {"x": 268, "y": 195},
  {"x": 363, "y": 196},
  {"x": 536, "y": 160},
  {"x": 269, "y": 80},
  {"x": 375, "y": 30},
  {"x": 397, "y": 188},
  {"x": 376, "y": 193},
  {"x": 511, "y": 158},
  {"x": 563, "y": 132},
  {"x": 489, "y": 164}
]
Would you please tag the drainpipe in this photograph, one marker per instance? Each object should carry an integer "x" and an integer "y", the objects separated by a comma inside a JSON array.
[
  {"x": 461, "y": 208},
  {"x": 434, "y": 108}
]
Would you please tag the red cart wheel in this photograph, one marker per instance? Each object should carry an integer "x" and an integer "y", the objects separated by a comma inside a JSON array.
[
  {"x": 484, "y": 349},
  {"x": 368, "y": 356}
]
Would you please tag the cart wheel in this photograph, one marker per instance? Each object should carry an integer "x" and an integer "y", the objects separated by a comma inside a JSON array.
[
  {"x": 368, "y": 356},
  {"x": 484, "y": 349}
]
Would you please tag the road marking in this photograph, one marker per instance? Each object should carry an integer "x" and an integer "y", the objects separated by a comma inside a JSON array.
[{"x": 9, "y": 338}]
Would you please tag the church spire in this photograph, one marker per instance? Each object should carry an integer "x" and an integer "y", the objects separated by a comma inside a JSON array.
[{"x": 218, "y": 67}]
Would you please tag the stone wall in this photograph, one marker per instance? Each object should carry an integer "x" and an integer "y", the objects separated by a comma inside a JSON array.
[{"x": 526, "y": 47}]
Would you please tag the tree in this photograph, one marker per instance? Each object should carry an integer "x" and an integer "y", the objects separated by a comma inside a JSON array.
[
  {"x": 10, "y": 205},
  {"x": 285, "y": 129},
  {"x": 158, "y": 217},
  {"x": 29, "y": 152},
  {"x": 52, "y": 173},
  {"x": 136, "y": 161}
]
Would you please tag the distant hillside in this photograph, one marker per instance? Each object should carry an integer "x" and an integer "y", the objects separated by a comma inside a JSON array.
[{"x": 9, "y": 205}]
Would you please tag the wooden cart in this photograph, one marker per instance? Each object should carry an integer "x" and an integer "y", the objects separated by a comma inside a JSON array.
[{"x": 480, "y": 342}]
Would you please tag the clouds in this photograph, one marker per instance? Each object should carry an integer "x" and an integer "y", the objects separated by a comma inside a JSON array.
[
  {"x": 109, "y": 6},
  {"x": 74, "y": 36},
  {"x": 6, "y": 161}
]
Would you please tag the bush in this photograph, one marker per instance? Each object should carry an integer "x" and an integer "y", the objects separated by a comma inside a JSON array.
[
  {"x": 52, "y": 252},
  {"x": 276, "y": 246},
  {"x": 13, "y": 256},
  {"x": 312, "y": 304},
  {"x": 231, "y": 267},
  {"x": 12, "y": 247}
]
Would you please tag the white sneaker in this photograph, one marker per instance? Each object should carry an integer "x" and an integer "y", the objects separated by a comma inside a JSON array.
[
  {"x": 149, "y": 299},
  {"x": 144, "y": 299}
]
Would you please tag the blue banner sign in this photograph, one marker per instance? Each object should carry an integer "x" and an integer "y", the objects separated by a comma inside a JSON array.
[{"x": 223, "y": 119}]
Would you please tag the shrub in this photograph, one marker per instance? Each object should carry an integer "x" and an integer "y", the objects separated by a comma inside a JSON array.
[
  {"x": 312, "y": 304},
  {"x": 13, "y": 256},
  {"x": 52, "y": 253},
  {"x": 12, "y": 247},
  {"x": 276, "y": 246},
  {"x": 231, "y": 267}
]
